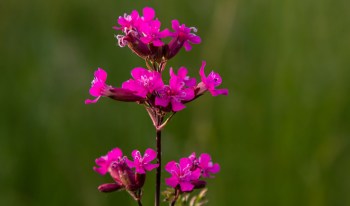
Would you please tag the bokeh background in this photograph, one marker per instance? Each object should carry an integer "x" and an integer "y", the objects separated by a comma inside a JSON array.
[{"x": 281, "y": 136}]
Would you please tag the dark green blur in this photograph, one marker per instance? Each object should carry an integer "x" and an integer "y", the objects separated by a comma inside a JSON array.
[{"x": 282, "y": 136}]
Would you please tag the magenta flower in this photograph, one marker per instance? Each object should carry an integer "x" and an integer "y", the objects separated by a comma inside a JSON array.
[
  {"x": 143, "y": 163},
  {"x": 210, "y": 82},
  {"x": 182, "y": 77},
  {"x": 105, "y": 162},
  {"x": 183, "y": 34},
  {"x": 152, "y": 34},
  {"x": 207, "y": 166},
  {"x": 182, "y": 175},
  {"x": 144, "y": 81},
  {"x": 98, "y": 86},
  {"x": 175, "y": 92},
  {"x": 128, "y": 22}
]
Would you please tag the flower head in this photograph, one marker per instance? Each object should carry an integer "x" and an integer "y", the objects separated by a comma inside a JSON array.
[
  {"x": 151, "y": 33},
  {"x": 211, "y": 81},
  {"x": 184, "y": 36},
  {"x": 104, "y": 162},
  {"x": 142, "y": 163},
  {"x": 182, "y": 175},
  {"x": 144, "y": 81},
  {"x": 207, "y": 166},
  {"x": 175, "y": 92},
  {"x": 98, "y": 86}
]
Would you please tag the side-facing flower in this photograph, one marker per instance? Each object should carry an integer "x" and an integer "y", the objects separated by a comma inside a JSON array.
[
  {"x": 207, "y": 166},
  {"x": 143, "y": 82},
  {"x": 143, "y": 163},
  {"x": 181, "y": 175},
  {"x": 182, "y": 37},
  {"x": 104, "y": 162},
  {"x": 175, "y": 92},
  {"x": 210, "y": 82},
  {"x": 99, "y": 87}
]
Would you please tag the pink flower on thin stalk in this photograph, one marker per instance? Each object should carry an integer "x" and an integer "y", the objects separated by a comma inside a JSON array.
[
  {"x": 210, "y": 82},
  {"x": 144, "y": 82},
  {"x": 98, "y": 86},
  {"x": 142, "y": 163},
  {"x": 182, "y": 175}
]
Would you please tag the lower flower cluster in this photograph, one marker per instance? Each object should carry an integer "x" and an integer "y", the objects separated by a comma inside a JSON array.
[
  {"x": 127, "y": 174},
  {"x": 185, "y": 175}
]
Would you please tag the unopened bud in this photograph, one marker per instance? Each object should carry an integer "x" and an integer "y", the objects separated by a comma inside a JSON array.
[{"x": 110, "y": 187}]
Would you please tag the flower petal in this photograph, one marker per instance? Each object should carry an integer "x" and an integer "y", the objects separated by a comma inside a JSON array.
[
  {"x": 150, "y": 167},
  {"x": 186, "y": 186},
  {"x": 172, "y": 181},
  {"x": 150, "y": 155},
  {"x": 171, "y": 166}
]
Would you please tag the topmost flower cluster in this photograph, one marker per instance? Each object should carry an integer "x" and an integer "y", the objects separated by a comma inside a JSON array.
[{"x": 142, "y": 34}]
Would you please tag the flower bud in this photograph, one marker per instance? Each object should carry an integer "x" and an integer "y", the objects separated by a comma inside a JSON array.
[
  {"x": 123, "y": 95},
  {"x": 110, "y": 187}
]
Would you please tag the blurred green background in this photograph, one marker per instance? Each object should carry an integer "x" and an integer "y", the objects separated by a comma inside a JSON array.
[{"x": 281, "y": 136}]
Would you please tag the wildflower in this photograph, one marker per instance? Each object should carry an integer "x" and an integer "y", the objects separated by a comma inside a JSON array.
[
  {"x": 144, "y": 81},
  {"x": 182, "y": 37},
  {"x": 104, "y": 162},
  {"x": 207, "y": 166},
  {"x": 181, "y": 175},
  {"x": 98, "y": 86},
  {"x": 175, "y": 93},
  {"x": 143, "y": 163},
  {"x": 210, "y": 82},
  {"x": 183, "y": 78},
  {"x": 152, "y": 34}
]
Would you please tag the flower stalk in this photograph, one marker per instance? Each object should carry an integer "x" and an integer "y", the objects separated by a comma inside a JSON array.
[{"x": 143, "y": 36}]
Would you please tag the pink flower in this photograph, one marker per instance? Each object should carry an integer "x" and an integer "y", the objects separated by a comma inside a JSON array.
[
  {"x": 182, "y": 175},
  {"x": 98, "y": 86},
  {"x": 105, "y": 162},
  {"x": 143, "y": 163},
  {"x": 144, "y": 82},
  {"x": 128, "y": 22},
  {"x": 175, "y": 92},
  {"x": 207, "y": 166},
  {"x": 182, "y": 77},
  {"x": 210, "y": 82},
  {"x": 152, "y": 34},
  {"x": 184, "y": 36}
]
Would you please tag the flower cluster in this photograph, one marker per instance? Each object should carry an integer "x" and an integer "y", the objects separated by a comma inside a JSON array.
[
  {"x": 127, "y": 174},
  {"x": 142, "y": 34},
  {"x": 147, "y": 86},
  {"x": 186, "y": 174}
]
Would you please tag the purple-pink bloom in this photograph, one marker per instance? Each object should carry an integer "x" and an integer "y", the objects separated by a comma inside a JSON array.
[
  {"x": 104, "y": 162},
  {"x": 207, "y": 166},
  {"x": 211, "y": 81},
  {"x": 142, "y": 163},
  {"x": 152, "y": 34},
  {"x": 182, "y": 77},
  {"x": 181, "y": 174},
  {"x": 98, "y": 86},
  {"x": 175, "y": 92},
  {"x": 183, "y": 34},
  {"x": 144, "y": 81}
]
